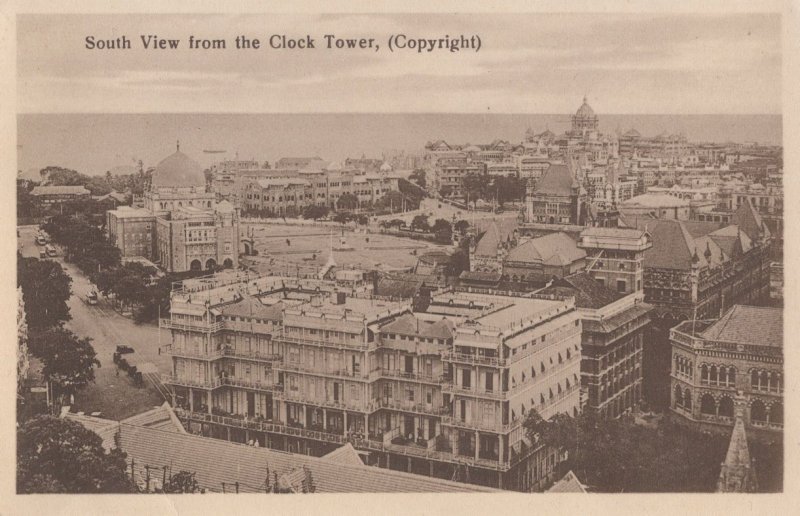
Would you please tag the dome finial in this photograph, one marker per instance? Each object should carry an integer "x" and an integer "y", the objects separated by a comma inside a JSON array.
[
  {"x": 585, "y": 99},
  {"x": 178, "y": 144}
]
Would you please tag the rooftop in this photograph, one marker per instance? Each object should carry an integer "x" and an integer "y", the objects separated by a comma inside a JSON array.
[
  {"x": 752, "y": 325},
  {"x": 59, "y": 190}
]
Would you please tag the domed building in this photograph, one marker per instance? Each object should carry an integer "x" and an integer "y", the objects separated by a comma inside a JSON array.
[
  {"x": 181, "y": 227},
  {"x": 584, "y": 120}
]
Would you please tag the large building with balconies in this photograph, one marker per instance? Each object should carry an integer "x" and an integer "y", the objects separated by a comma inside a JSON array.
[
  {"x": 305, "y": 366},
  {"x": 716, "y": 362}
]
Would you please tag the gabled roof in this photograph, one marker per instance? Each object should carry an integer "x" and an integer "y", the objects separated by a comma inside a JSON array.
[
  {"x": 556, "y": 180},
  {"x": 554, "y": 249},
  {"x": 747, "y": 218},
  {"x": 673, "y": 246},
  {"x": 489, "y": 242},
  {"x": 345, "y": 455},
  {"x": 492, "y": 277},
  {"x": 568, "y": 484},
  {"x": 754, "y": 325}
]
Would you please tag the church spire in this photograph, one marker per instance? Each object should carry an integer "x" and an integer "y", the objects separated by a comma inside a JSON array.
[{"x": 178, "y": 145}]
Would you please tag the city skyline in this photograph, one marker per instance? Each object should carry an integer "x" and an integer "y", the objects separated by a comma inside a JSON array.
[{"x": 96, "y": 143}]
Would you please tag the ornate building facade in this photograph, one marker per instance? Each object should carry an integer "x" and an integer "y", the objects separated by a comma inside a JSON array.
[
  {"x": 180, "y": 227},
  {"x": 714, "y": 362},
  {"x": 302, "y": 366}
]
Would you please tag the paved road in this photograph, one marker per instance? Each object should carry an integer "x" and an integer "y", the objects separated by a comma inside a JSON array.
[{"x": 113, "y": 395}]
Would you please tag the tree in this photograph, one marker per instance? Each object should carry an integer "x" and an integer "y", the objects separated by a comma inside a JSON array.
[
  {"x": 98, "y": 186},
  {"x": 420, "y": 222},
  {"x": 392, "y": 200},
  {"x": 69, "y": 362},
  {"x": 446, "y": 191},
  {"x": 347, "y": 201},
  {"x": 343, "y": 217},
  {"x": 182, "y": 482},
  {"x": 315, "y": 212},
  {"x": 57, "y": 455},
  {"x": 462, "y": 226},
  {"x": 45, "y": 291},
  {"x": 443, "y": 230},
  {"x": 615, "y": 455},
  {"x": 58, "y": 176},
  {"x": 412, "y": 193},
  {"x": 418, "y": 176},
  {"x": 474, "y": 187}
]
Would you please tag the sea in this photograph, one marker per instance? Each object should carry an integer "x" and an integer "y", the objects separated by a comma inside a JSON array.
[{"x": 96, "y": 143}]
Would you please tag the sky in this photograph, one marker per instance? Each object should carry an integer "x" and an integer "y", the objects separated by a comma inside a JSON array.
[{"x": 528, "y": 63}]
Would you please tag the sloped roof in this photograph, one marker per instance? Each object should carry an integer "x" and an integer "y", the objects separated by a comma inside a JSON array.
[
  {"x": 345, "y": 455},
  {"x": 727, "y": 238},
  {"x": 747, "y": 218},
  {"x": 105, "y": 428},
  {"x": 489, "y": 242},
  {"x": 480, "y": 276},
  {"x": 215, "y": 461},
  {"x": 250, "y": 306},
  {"x": 754, "y": 325},
  {"x": 673, "y": 246},
  {"x": 556, "y": 180},
  {"x": 161, "y": 418},
  {"x": 398, "y": 288},
  {"x": 588, "y": 292},
  {"x": 553, "y": 249},
  {"x": 408, "y": 324},
  {"x": 568, "y": 484}
]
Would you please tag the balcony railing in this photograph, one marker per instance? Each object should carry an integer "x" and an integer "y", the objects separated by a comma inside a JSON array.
[
  {"x": 171, "y": 349},
  {"x": 475, "y": 424},
  {"x": 419, "y": 408},
  {"x": 338, "y": 373},
  {"x": 464, "y": 358},
  {"x": 262, "y": 426},
  {"x": 252, "y": 384},
  {"x": 336, "y": 405},
  {"x": 358, "y": 443},
  {"x": 211, "y": 383},
  {"x": 414, "y": 376},
  {"x": 319, "y": 342},
  {"x": 251, "y": 354},
  {"x": 188, "y": 325},
  {"x": 452, "y": 388}
]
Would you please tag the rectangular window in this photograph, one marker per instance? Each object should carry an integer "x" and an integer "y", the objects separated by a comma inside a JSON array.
[{"x": 490, "y": 382}]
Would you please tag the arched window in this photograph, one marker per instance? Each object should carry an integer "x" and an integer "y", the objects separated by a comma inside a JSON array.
[
  {"x": 713, "y": 375},
  {"x": 560, "y": 360},
  {"x": 704, "y": 374},
  {"x": 726, "y": 407},
  {"x": 754, "y": 379},
  {"x": 723, "y": 376},
  {"x": 687, "y": 399},
  {"x": 732, "y": 376},
  {"x": 569, "y": 355},
  {"x": 708, "y": 405},
  {"x": 758, "y": 413},
  {"x": 678, "y": 396},
  {"x": 776, "y": 413}
]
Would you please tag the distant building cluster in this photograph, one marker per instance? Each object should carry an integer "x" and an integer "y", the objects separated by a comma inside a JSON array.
[{"x": 296, "y": 183}]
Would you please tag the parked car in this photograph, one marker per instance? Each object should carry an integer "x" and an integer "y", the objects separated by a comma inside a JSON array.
[{"x": 92, "y": 298}]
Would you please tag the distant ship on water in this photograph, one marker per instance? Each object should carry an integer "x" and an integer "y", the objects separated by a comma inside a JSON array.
[{"x": 214, "y": 151}]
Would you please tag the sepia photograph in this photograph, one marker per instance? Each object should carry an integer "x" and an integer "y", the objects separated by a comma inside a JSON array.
[{"x": 399, "y": 253}]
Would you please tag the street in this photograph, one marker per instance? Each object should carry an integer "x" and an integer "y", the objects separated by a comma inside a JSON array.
[{"x": 114, "y": 396}]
